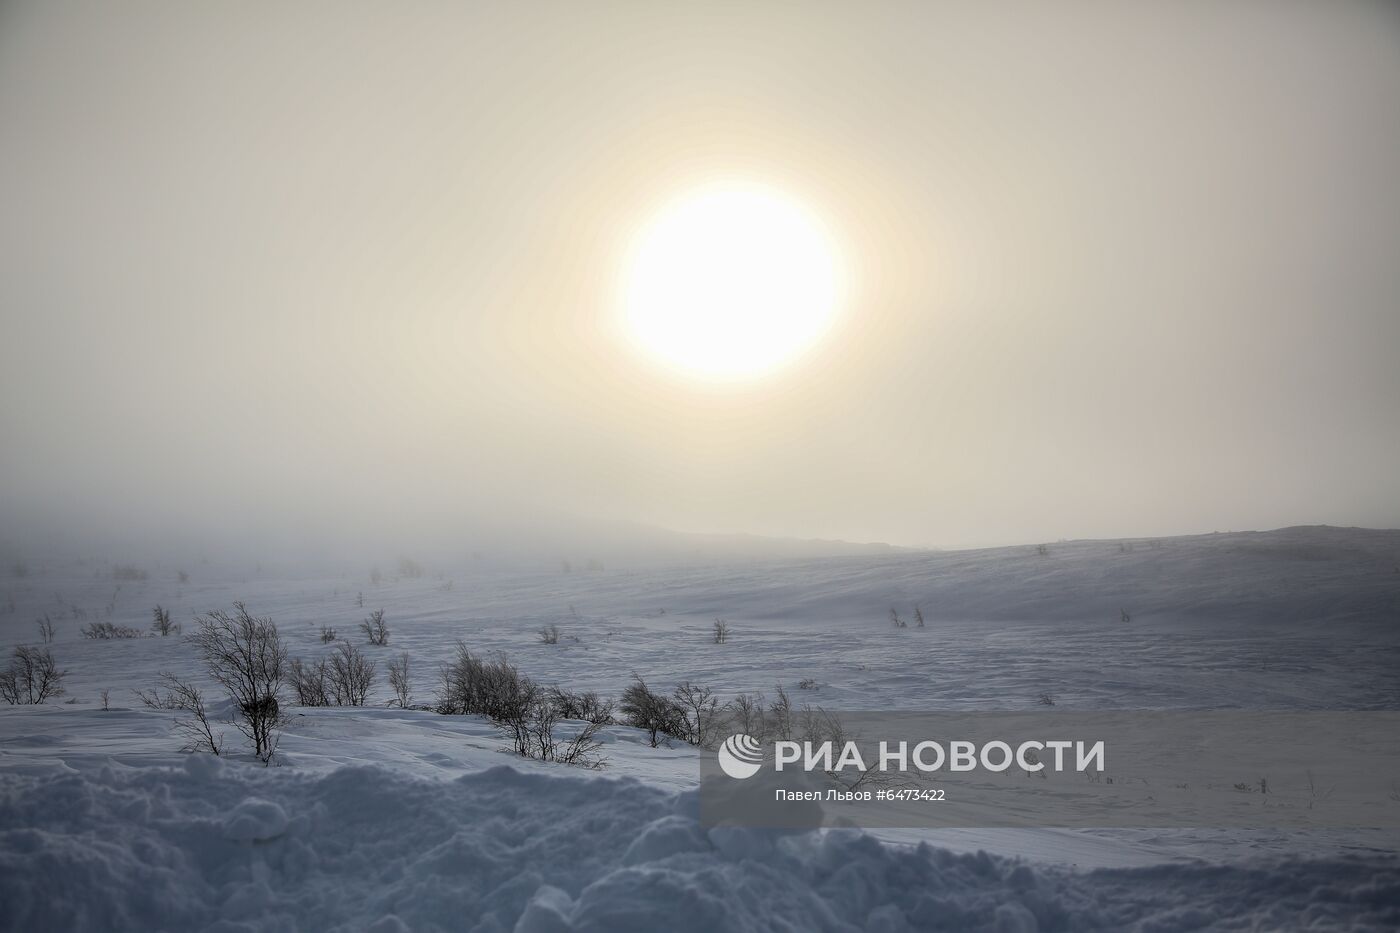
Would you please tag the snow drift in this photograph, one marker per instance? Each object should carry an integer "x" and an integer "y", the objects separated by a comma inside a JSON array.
[{"x": 228, "y": 847}]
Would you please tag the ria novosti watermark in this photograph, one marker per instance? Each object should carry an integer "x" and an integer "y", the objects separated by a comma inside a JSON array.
[{"x": 1132, "y": 768}]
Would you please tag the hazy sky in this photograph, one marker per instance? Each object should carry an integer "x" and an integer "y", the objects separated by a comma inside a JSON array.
[{"x": 1115, "y": 269}]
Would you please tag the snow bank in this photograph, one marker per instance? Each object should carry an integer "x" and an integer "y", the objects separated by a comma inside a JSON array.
[{"x": 213, "y": 846}]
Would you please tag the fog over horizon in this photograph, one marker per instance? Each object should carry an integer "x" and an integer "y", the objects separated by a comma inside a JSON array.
[{"x": 269, "y": 283}]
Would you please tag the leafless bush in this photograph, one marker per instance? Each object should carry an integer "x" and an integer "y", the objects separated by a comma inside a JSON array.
[
  {"x": 898, "y": 622},
  {"x": 779, "y": 720},
  {"x": 182, "y": 576},
  {"x": 45, "y": 629},
  {"x": 1125, "y": 615},
  {"x": 748, "y": 714},
  {"x": 807, "y": 683},
  {"x": 310, "y": 682},
  {"x": 128, "y": 572},
  {"x": 31, "y": 678},
  {"x": 410, "y": 569},
  {"x": 657, "y": 714},
  {"x": 485, "y": 687},
  {"x": 721, "y": 631},
  {"x": 245, "y": 655},
  {"x": 918, "y": 616},
  {"x": 549, "y": 635},
  {"x": 327, "y": 634},
  {"x": 1045, "y": 699},
  {"x": 107, "y": 630},
  {"x": 701, "y": 712},
  {"x": 350, "y": 675},
  {"x": 161, "y": 623},
  {"x": 588, "y": 707},
  {"x": 106, "y": 700},
  {"x": 375, "y": 628},
  {"x": 532, "y": 733},
  {"x": 399, "y": 682},
  {"x": 1042, "y": 549},
  {"x": 183, "y": 696}
]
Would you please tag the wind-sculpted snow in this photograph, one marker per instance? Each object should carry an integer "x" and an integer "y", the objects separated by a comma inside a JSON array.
[{"x": 227, "y": 847}]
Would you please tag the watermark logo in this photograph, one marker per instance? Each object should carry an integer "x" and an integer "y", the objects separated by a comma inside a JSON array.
[{"x": 740, "y": 756}]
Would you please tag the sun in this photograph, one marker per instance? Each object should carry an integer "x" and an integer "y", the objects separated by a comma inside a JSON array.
[{"x": 729, "y": 282}]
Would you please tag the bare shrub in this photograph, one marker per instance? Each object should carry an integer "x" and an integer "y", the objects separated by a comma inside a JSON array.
[
  {"x": 487, "y": 687},
  {"x": 701, "y": 710},
  {"x": 657, "y": 714},
  {"x": 184, "y": 696},
  {"x": 399, "y": 682},
  {"x": 748, "y": 714},
  {"x": 310, "y": 682},
  {"x": 375, "y": 628},
  {"x": 45, "y": 629},
  {"x": 106, "y": 700},
  {"x": 588, "y": 707},
  {"x": 327, "y": 634},
  {"x": 808, "y": 683},
  {"x": 532, "y": 728},
  {"x": 549, "y": 635},
  {"x": 721, "y": 631},
  {"x": 1125, "y": 615},
  {"x": 410, "y": 569},
  {"x": 918, "y": 616},
  {"x": 350, "y": 675},
  {"x": 128, "y": 572},
  {"x": 898, "y": 622},
  {"x": 107, "y": 630},
  {"x": 779, "y": 719},
  {"x": 245, "y": 655},
  {"x": 1045, "y": 699},
  {"x": 161, "y": 624},
  {"x": 182, "y": 576},
  {"x": 31, "y": 678}
]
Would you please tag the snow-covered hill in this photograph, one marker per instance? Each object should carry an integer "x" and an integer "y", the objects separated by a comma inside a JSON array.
[{"x": 391, "y": 819}]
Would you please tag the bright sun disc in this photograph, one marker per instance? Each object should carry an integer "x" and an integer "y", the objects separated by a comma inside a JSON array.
[{"x": 730, "y": 282}]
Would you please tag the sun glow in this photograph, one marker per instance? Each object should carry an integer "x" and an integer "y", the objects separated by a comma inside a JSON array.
[{"x": 730, "y": 282}]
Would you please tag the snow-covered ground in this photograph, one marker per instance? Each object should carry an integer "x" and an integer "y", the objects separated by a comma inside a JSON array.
[{"x": 404, "y": 819}]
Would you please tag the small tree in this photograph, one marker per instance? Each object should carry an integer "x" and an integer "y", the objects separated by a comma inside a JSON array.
[
  {"x": 898, "y": 622},
  {"x": 494, "y": 688},
  {"x": 657, "y": 714},
  {"x": 700, "y": 708},
  {"x": 375, "y": 628},
  {"x": 918, "y": 616},
  {"x": 311, "y": 682},
  {"x": 399, "y": 682},
  {"x": 182, "y": 695},
  {"x": 549, "y": 635},
  {"x": 588, "y": 707},
  {"x": 721, "y": 631},
  {"x": 245, "y": 655},
  {"x": 350, "y": 675},
  {"x": 327, "y": 634},
  {"x": 532, "y": 734},
  {"x": 32, "y": 677},
  {"x": 161, "y": 623},
  {"x": 45, "y": 629}
]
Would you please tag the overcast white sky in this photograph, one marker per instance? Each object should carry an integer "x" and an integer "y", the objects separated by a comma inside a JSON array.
[{"x": 1117, "y": 269}]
